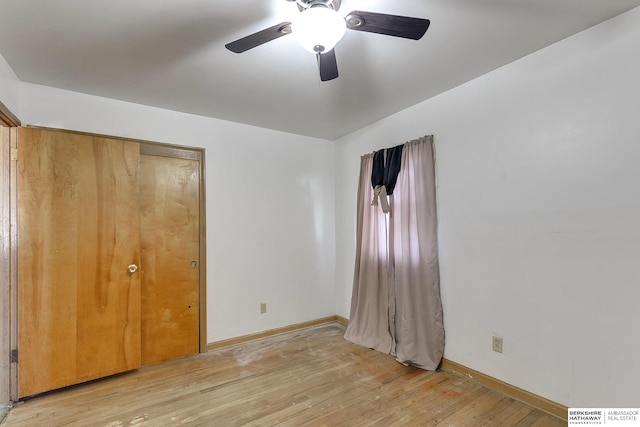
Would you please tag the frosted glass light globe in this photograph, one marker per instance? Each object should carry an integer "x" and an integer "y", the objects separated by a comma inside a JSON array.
[{"x": 318, "y": 29}]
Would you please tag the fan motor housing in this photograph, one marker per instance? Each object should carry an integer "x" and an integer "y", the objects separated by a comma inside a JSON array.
[{"x": 306, "y": 4}]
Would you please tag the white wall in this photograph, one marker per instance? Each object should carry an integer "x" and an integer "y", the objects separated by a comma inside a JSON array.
[
  {"x": 270, "y": 206},
  {"x": 539, "y": 206},
  {"x": 9, "y": 87}
]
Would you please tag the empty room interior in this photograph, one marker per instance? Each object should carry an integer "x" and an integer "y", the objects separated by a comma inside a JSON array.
[{"x": 189, "y": 235}]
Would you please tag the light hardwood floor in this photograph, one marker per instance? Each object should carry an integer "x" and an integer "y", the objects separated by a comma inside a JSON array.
[{"x": 311, "y": 377}]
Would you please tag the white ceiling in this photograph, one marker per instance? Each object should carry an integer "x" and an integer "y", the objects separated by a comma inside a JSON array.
[{"x": 171, "y": 54}]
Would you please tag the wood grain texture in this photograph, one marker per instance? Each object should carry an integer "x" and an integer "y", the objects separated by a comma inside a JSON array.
[
  {"x": 541, "y": 403},
  {"x": 5, "y": 262},
  {"x": 78, "y": 228},
  {"x": 269, "y": 333},
  {"x": 109, "y": 224},
  {"x": 170, "y": 232},
  {"x": 13, "y": 268},
  {"x": 164, "y": 150},
  {"x": 305, "y": 378}
]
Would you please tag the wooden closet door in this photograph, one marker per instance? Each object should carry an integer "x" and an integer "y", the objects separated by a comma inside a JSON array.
[
  {"x": 170, "y": 226},
  {"x": 78, "y": 231}
]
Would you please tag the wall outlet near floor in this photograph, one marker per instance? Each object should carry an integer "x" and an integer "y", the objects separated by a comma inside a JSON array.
[
  {"x": 263, "y": 307},
  {"x": 497, "y": 344}
]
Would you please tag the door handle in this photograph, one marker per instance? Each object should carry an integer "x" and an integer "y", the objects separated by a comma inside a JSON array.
[{"x": 132, "y": 268}]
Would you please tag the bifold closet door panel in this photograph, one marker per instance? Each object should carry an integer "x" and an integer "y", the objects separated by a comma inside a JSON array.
[
  {"x": 170, "y": 224},
  {"x": 78, "y": 231}
]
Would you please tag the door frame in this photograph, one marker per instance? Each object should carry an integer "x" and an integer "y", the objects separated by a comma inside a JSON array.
[
  {"x": 9, "y": 241},
  {"x": 7, "y": 118},
  {"x": 8, "y": 123},
  {"x": 5, "y": 262}
]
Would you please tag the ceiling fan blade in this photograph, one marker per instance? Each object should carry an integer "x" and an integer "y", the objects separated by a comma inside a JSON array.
[
  {"x": 328, "y": 65},
  {"x": 261, "y": 37},
  {"x": 390, "y": 25}
]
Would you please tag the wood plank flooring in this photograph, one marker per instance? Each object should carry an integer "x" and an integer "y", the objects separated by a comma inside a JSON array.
[{"x": 311, "y": 377}]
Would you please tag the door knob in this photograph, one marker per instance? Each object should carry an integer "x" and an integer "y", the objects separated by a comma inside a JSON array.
[{"x": 132, "y": 268}]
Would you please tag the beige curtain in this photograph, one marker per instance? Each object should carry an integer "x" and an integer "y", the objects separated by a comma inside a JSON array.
[
  {"x": 396, "y": 306},
  {"x": 370, "y": 296}
]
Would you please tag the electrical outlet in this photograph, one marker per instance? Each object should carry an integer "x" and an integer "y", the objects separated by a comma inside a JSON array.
[
  {"x": 263, "y": 307},
  {"x": 497, "y": 344}
]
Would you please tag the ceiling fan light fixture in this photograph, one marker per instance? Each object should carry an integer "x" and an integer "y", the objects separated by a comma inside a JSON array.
[{"x": 318, "y": 29}]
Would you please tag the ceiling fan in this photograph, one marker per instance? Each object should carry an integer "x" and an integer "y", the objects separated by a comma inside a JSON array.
[{"x": 319, "y": 26}]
